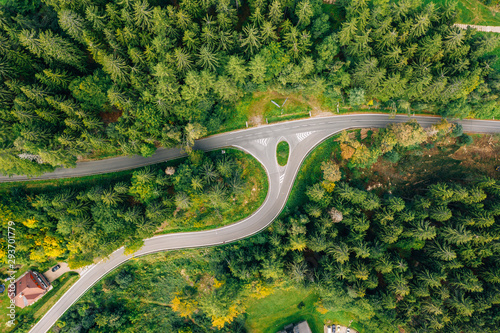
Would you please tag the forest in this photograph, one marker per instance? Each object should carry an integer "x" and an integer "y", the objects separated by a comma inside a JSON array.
[
  {"x": 421, "y": 260},
  {"x": 89, "y": 78},
  {"x": 80, "y": 223},
  {"x": 85, "y": 79}
]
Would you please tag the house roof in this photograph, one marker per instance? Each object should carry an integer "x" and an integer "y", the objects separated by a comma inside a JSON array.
[
  {"x": 29, "y": 288},
  {"x": 302, "y": 327}
]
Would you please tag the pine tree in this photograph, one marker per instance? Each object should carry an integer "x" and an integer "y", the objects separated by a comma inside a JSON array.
[
  {"x": 73, "y": 24},
  {"x": 207, "y": 59},
  {"x": 251, "y": 39}
]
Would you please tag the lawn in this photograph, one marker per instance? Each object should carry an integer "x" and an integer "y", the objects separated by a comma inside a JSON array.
[
  {"x": 282, "y": 152},
  {"x": 30, "y": 315},
  {"x": 286, "y": 306},
  {"x": 474, "y": 12}
]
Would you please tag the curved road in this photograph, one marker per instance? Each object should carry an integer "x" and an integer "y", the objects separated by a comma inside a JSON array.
[{"x": 261, "y": 142}]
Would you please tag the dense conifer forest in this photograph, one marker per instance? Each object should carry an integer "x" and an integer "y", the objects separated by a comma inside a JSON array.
[
  {"x": 79, "y": 223},
  {"x": 421, "y": 260},
  {"x": 81, "y": 79},
  {"x": 125, "y": 77}
]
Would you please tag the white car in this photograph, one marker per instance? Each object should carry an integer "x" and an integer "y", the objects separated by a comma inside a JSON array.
[
  {"x": 348, "y": 330},
  {"x": 329, "y": 329}
]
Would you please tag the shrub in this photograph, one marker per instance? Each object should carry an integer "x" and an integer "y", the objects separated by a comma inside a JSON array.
[
  {"x": 457, "y": 130},
  {"x": 392, "y": 156},
  {"x": 357, "y": 97},
  {"x": 465, "y": 140}
]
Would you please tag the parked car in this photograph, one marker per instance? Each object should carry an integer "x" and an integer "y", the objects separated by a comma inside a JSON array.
[
  {"x": 329, "y": 329},
  {"x": 338, "y": 328},
  {"x": 55, "y": 268},
  {"x": 348, "y": 330}
]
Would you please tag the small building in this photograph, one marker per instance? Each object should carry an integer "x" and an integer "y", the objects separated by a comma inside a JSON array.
[
  {"x": 302, "y": 327},
  {"x": 30, "y": 287}
]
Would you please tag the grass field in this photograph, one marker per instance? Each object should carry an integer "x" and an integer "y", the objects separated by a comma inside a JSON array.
[
  {"x": 272, "y": 313},
  {"x": 282, "y": 152},
  {"x": 474, "y": 12}
]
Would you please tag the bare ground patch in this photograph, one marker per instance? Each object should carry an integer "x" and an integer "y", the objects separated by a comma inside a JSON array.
[{"x": 445, "y": 160}]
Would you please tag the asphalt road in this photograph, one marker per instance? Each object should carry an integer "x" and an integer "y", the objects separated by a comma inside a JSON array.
[{"x": 261, "y": 142}]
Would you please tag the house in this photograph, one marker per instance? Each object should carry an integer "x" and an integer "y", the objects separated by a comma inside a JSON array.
[
  {"x": 30, "y": 287},
  {"x": 302, "y": 327}
]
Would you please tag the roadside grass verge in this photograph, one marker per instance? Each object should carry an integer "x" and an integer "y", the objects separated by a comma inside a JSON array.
[
  {"x": 28, "y": 316},
  {"x": 292, "y": 305},
  {"x": 287, "y": 117},
  {"x": 63, "y": 283},
  {"x": 282, "y": 152}
]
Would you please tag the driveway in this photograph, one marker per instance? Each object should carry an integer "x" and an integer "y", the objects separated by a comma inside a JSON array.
[{"x": 51, "y": 276}]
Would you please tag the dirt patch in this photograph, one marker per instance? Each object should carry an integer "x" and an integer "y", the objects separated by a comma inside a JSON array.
[
  {"x": 483, "y": 155},
  {"x": 364, "y": 133},
  {"x": 256, "y": 120},
  {"x": 441, "y": 161},
  {"x": 111, "y": 117}
]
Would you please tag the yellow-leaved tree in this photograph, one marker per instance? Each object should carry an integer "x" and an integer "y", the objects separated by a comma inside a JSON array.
[
  {"x": 184, "y": 306},
  {"x": 30, "y": 223}
]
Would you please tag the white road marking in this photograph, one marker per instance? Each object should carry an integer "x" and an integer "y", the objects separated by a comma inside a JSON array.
[
  {"x": 282, "y": 177},
  {"x": 264, "y": 141},
  {"x": 303, "y": 135}
]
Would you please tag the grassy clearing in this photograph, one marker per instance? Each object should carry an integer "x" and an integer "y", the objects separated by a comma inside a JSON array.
[
  {"x": 236, "y": 116},
  {"x": 282, "y": 152},
  {"x": 474, "y": 12},
  {"x": 272, "y": 313},
  {"x": 257, "y": 107},
  {"x": 252, "y": 197},
  {"x": 101, "y": 155},
  {"x": 287, "y": 117},
  {"x": 30, "y": 315},
  {"x": 288, "y": 106}
]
